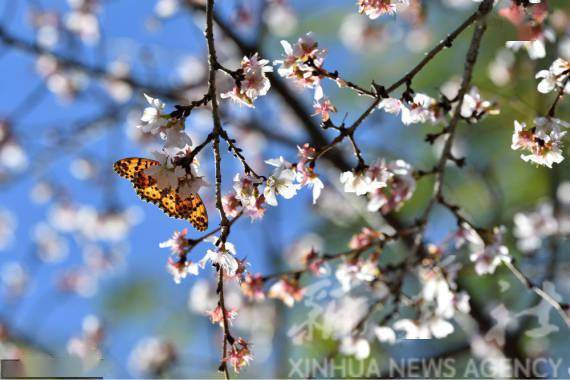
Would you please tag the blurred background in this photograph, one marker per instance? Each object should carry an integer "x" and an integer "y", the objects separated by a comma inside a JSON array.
[{"x": 81, "y": 274}]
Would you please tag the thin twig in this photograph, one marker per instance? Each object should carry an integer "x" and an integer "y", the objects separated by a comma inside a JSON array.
[{"x": 217, "y": 131}]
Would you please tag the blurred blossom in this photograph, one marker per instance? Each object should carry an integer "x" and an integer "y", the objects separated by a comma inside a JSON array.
[
  {"x": 532, "y": 227},
  {"x": 152, "y": 357},
  {"x": 257, "y": 320},
  {"x": 47, "y": 25},
  {"x": 111, "y": 226},
  {"x": 501, "y": 68},
  {"x": 286, "y": 290},
  {"x": 8, "y": 350},
  {"x": 385, "y": 334},
  {"x": 353, "y": 273},
  {"x": 377, "y": 8},
  {"x": 342, "y": 314},
  {"x": 459, "y": 4},
  {"x": 487, "y": 251},
  {"x": 66, "y": 83},
  {"x": 80, "y": 281},
  {"x": 166, "y": 8},
  {"x": 51, "y": 247},
  {"x": 400, "y": 188},
  {"x": 191, "y": 70},
  {"x": 41, "y": 192},
  {"x": 359, "y": 34},
  {"x": 280, "y": 18},
  {"x": 83, "y": 21},
  {"x": 14, "y": 279},
  {"x": 115, "y": 84},
  {"x": 87, "y": 345},
  {"x": 202, "y": 297},
  {"x": 296, "y": 252},
  {"x": 62, "y": 216},
  {"x": 13, "y": 157},
  {"x": 101, "y": 260},
  {"x": 8, "y": 225},
  {"x": 107, "y": 225},
  {"x": 418, "y": 40},
  {"x": 536, "y": 49},
  {"x": 564, "y": 48},
  {"x": 357, "y": 347},
  {"x": 82, "y": 168},
  {"x": 563, "y": 193}
]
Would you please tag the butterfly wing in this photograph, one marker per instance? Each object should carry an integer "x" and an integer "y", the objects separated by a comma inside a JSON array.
[
  {"x": 129, "y": 167},
  {"x": 191, "y": 208}
]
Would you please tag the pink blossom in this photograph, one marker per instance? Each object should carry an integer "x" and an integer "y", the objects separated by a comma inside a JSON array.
[
  {"x": 254, "y": 82},
  {"x": 240, "y": 354},
  {"x": 217, "y": 315},
  {"x": 377, "y": 8},
  {"x": 252, "y": 286},
  {"x": 287, "y": 290}
]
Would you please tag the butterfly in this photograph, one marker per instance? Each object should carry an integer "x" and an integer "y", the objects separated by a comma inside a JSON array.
[{"x": 169, "y": 201}]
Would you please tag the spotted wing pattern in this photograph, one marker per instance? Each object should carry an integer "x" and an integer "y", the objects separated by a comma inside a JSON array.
[
  {"x": 191, "y": 208},
  {"x": 129, "y": 167}
]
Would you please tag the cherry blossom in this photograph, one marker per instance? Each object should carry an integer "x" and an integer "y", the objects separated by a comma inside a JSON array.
[
  {"x": 357, "y": 347},
  {"x": 14, "y": 278},
  {"x": 353, "y": 273},
  {"x": 474, "y": 107},
  {"x": 280, "y": 182},
  {"x": 165, "y": 174},
  {"x": 377, "y": 8},
  {"x": 252, "y": 286},
  {"x": 399, "y": 188},
  {"x": 152, "y": 356},
  {"x": 253, "y": 81},
  {"x": 87, "y": 346},
  {"x": 217, "y": 315},
  {"x": 8, "y": 225},
  {"x": 246, "y": 189},
  {"x": 420, "y": 108},
  {"x": 177, "y": 142},
  {"x": 300, "y": 62},
  {"x": 240, "y": 354},
  {"x": 555, "y": 77},
  {"x": 487, "y": 254},
  {"x": 223, "y": 255},
  {"x": 425, "y": 328},
  {"x": 543, "y": 141},
  {"x": 385, "y": 334},
  {"x": 365, "y": 181},
  {"x": 231, "y": 204},
  {"x": 153, "y": 119},
  {"x": 365, "y": 238},
  {"x": 533, "y": 227},
  {"x": 324, "y": 107},
  {"x": 287, "y": 290},
  {"x": 178, "y": 243}
]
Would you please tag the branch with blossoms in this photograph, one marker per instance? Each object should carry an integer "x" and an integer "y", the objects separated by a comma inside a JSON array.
[
  {"x": 388, "y": 186},
  {"x": 383, "y": 186}
]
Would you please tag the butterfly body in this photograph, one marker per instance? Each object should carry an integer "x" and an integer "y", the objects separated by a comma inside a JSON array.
[{"x": 189, "y": 208}]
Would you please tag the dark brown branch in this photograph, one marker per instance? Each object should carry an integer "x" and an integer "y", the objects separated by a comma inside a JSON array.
[{"x": 217, "y": 131}]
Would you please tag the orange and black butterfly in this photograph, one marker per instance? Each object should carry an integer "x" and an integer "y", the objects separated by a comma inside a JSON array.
[{"x": 191, "y": 208}]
